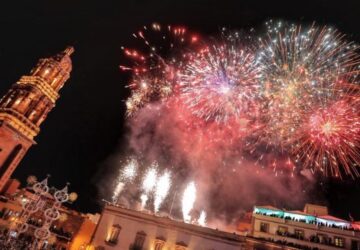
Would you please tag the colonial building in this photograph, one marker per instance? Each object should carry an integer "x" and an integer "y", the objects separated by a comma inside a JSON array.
[
  {"x": 123, "y": 229},
  {"x": 312, "y": 228},
  {"x": 25, "y": 107}
]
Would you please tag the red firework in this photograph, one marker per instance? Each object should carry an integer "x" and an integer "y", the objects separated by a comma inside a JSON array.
[{"x": 330, "y": 139}]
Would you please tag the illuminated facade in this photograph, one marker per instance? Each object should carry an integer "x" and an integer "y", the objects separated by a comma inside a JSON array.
[
  {"x": 312, "y": 228},
  {"x": 26, "y": 105},
  {"x": 121, "y": 228},
  {"x": 72, "y": 231}
]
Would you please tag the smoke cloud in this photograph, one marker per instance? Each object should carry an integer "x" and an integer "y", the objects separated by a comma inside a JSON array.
[{"x": 228, "y": 180}]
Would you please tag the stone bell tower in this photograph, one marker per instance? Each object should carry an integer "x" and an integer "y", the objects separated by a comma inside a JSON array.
[{"x": 26, "y": 105}]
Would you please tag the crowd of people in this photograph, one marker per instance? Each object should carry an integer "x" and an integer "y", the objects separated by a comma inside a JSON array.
[{"x": 314, "y": 221}]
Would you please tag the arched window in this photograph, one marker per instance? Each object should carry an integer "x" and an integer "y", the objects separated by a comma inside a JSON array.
[
  {"x": 159, "y": 243},
  {"x": 180, "y": 246},
  {"x": 9, "y": 160},
  {"x": 139, "y": 240},
  {"x": 114, "y": 234}
]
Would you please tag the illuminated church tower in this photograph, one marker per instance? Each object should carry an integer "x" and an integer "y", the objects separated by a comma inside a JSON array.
[{"x": 25, "y": 107}]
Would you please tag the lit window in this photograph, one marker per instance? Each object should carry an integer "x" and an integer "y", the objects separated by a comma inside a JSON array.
[
  {"x": 17, "y": 101},
  {"x": 159, "y": 243},
  {"x": 32, "y": 114},
  {"x": 264, "y": 227},
  {"x": 339, "y": 242},
  {"x": 139, "y": 241},
  {"x": 299, "y": 233},
  {"x": 114, "y": 234},
  {"x": 282, "y": 230},
  {"x": 323, "y": 238}
]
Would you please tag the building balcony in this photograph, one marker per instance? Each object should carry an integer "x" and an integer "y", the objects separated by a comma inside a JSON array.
[
  {"x": 293, "y": 241},
  {"x": 310, "y": 225}
]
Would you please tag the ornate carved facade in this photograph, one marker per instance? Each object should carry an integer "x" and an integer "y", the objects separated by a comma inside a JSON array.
[{"x": 26, "y": 105}]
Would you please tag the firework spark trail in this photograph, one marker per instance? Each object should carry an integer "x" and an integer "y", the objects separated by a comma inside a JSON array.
[
  {"x": 126, "y": 175},
  {"x": 118, "y": 189},
  {"x": 153, "y": 74},
  {"x": 149, "y": 183},
  {"x": 162, "y": 188},
  {"x": 202, "y": 219},
  {"x": 188, "y": 201},
  {"x": 150, "y": 178},
  {"x": 144, "y": 198}
]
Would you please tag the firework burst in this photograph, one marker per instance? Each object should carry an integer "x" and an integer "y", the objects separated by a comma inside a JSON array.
[
  {"x": 330, "y": 139},
  {"x": 221, "y": 81},
  {"x": 302, "y": 67},
  {"x": 305, "y": 68}
]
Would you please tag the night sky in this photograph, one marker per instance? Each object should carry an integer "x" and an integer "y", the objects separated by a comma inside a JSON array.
[{"x": 87, "y": 124}]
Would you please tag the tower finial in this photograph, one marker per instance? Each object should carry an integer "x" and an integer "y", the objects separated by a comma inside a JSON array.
[{"x": 69, "y": 50}]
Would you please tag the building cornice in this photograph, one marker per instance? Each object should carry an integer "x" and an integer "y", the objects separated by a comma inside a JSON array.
[
  {"x": 19, "y": 123},
  {"x": 39, "y": 83},
  {"x": 204, "y": 232}
]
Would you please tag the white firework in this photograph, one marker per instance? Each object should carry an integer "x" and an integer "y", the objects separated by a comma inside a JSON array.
[
  {"x": 162, "y": 188},
  {"x": 202, "y": 219},
  {"x": 148, "y": 184},
  {"x": 188, "y": 201},
  {"x": 127, "y": 174},
  {"x": 150, "y": 179},
  {"x": 143, "y": 199},
  {"x": 130, "y": 171}
]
